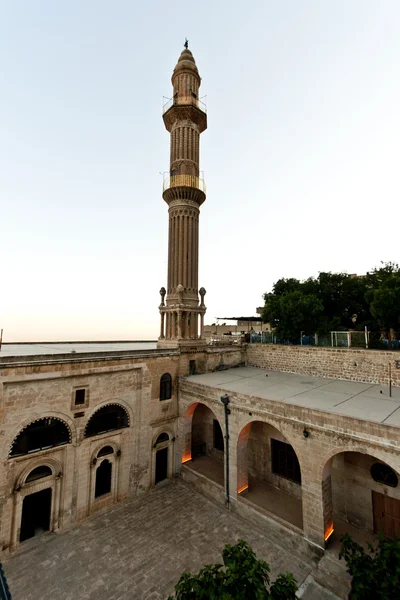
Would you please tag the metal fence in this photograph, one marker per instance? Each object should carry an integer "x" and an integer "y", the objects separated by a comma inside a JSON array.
[{"x": 334, "y": 339}]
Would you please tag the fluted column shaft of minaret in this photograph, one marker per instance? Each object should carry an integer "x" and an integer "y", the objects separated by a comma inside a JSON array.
[
  {"x": 183, "y": 248},
  {"x": 185, "y": 148}
]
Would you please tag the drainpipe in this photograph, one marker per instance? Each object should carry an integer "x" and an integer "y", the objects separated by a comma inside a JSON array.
[{"x": 225, "y": 401}]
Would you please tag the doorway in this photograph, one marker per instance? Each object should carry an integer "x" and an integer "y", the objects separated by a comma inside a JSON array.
[
  {"x": 36, "y": 511},
  {"x": 386, "y": 515},
  {"x": 161, "y": 465}
]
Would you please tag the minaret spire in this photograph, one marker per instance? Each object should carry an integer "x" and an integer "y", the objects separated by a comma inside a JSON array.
[{"x": 184, "y": 191}]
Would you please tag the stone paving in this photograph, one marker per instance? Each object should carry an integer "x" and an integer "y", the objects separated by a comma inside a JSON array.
[{"x": 137, "y": 550}]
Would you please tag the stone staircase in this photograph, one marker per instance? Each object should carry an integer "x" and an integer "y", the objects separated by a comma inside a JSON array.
[{"x": 331, "y": 574}]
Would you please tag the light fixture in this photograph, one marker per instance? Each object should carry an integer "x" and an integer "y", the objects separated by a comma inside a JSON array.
[{"x": 306, "y": 433}]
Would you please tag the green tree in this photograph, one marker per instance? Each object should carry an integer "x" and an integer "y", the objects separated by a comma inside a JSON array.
[
  {"x": 376, "y": 573},
  {"x": 383, "y": 296},
  {"x": 292, "y": 312},
  {"x": 242, "y": 577}
]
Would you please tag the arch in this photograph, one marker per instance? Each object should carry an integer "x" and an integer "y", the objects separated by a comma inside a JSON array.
[
  {"x": 269, "y": 472},
  {"x": 53, "y": 464},
  {"x": 103, "y": 478},
  {"x": 163, "y": 440},
  {"x": 353, "y": 499},
  {"x": 202, "y": 431},
  {"x": 41, "y": 434},
  {"x": 378, "y": 453},
  {"x": 109, "y": 417},
  {"x": 37, "y": 494},
  {"x": 104, "y": 451},
  {"x": 39, "y": 473},
  {"x": 163, "y": 437},
  {"x": 103, "y": 444},
  {"x": 12, "y": 435},
  {"x": 165, "y": 387}
]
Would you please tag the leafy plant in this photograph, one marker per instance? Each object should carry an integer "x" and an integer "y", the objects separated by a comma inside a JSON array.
[
  {"x": 242, "y": 577},
  {"x": 376, "y": 573}
]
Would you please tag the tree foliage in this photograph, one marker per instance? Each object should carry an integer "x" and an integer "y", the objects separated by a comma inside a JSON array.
[
  {"x": 335, "y": 302},
  {"x": 241, "y": 577},
  {"x": 376, "y": 573}
]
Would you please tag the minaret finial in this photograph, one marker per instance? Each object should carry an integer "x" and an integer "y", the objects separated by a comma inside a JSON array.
[{"x": 186, "y": 44}]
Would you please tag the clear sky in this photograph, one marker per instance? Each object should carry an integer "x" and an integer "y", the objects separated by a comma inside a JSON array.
[{"x": 301, "y": 155}]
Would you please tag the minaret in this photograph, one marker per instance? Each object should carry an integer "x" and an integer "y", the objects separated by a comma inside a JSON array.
[{"x": 185, "y": 118}]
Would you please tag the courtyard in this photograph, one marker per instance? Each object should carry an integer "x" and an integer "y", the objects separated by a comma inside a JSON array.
[{"x": 138, "y": 548}]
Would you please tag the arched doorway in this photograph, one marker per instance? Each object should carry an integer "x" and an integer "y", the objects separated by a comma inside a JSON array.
[
  {"x": 361, "y": 493},
  {"x": 268, "y": 472},
  {"x": 36, "y": 502},
  {"x": 204, "y": 442}
]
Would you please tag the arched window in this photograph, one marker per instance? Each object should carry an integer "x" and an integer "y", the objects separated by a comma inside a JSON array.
[
  {"x": 39, "y": 473},
  {"x": 384, "y": 474},
  {"x": 105, "y": 450},
  {"x": 108, "y": 418},
  {"x": 163, "y": 437},
  {"x": 165, "y": 387},
  {"x": 41, "y": 435},
  {"x": 103, "y": 479}
]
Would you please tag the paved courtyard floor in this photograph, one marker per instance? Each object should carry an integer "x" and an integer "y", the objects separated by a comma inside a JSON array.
[{"x": 138, "y": 549}]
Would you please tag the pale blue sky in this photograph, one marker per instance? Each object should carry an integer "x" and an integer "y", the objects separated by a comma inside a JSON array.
[{"x": 301, "y": 157}]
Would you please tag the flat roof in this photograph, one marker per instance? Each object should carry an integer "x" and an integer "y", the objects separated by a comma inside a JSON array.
[{"x": 348, "y": 398}]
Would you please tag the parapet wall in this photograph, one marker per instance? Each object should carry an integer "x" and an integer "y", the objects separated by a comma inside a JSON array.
[{"x": 371, "y": 366}]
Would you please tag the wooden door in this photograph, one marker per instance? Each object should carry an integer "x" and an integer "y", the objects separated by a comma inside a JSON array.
[{"x": 386, "y": 515}]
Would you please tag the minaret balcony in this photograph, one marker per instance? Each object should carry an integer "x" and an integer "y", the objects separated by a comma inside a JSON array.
[
  {"x": 189, "y": 181},
  {"x": 184, "y": 101}
]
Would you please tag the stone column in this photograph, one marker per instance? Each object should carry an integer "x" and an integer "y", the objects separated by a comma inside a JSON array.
[
  {"x": 179, "y": 314},
  {"x": 313, "y": 510},
  {"x": 56, "y": 509},
  {"x": 162, "y": 326},
  {"x": 201, "y": 325},
  {"x": 16, "y": 518}
]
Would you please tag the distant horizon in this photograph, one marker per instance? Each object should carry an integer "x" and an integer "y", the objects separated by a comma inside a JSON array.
[{"x": 61, "y": 341}]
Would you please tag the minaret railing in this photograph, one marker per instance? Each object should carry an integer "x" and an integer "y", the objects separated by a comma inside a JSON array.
[
  {"x": 184, "y": 181},
  {"x": 184, "y": 101}
]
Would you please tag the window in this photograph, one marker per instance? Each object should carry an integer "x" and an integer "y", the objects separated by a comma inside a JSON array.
[
  {"x": 192, "y": 367},
  {"x": 384, "y": 474},
  {"x": 165, "y": 387},
  {"x": 163, "y": 437},
  {"x": 105, "y": 450},
  {"x": 108, "y": 418},
  {"x": 39, "y": 473},
  {"x": 284, "y": 461},
  {"x": 103, "y": 479},
  {"x": 40, "y": 435},
  {"x": 80, "y": 396},
  {"x": 218, "y": 437}
]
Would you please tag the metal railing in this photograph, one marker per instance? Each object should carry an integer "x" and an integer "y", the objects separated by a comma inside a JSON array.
[
  {"x": 184, "y": 101},
  {"x": 184, "y": 181},
  {"x": 334, "y": 339}
]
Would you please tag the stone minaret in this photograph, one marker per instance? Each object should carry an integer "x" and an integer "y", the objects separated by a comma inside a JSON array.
[{"x": 182, "y": 315}]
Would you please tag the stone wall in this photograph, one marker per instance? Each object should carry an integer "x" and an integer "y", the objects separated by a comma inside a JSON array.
[
  {"x": 32, "y": 388},
  {"x": 371, "y": 366}
]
